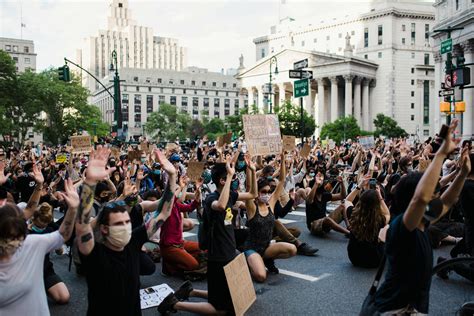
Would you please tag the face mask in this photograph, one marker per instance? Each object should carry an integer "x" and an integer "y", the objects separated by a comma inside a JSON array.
[
  {"x": 269, "y": 178},
  {"x": 409, "y": 169},
  {"x": 264, "y": 198},
  {"x": 119, "y": 236},
  {"x": 312, "y": 174},
  {"x": 10, "y": 246},
  {"x": 206, "y": 176},
  {"x": 234, "y": 185},
  {"x": 104, "y": 199},
  {"x": 157, "y": 172},
  {"x": 143, "y": 160},
  {"x": 37, "y": 229}
]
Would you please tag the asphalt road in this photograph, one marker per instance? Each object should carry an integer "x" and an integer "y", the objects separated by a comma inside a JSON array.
[{"x": 326, "y": 284}]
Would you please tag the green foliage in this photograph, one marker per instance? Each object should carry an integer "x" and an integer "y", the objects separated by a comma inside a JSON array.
[
  {"x": 388, "y": 127},
  {"x": 289, "y": 116},
  {"x": 167, "y": 124},
  {"x": 196, "y": 129},
  {"x": 215, "y": 126},
  {"x": 234, "y": 122},
  {"x": 340, "y": 129}
]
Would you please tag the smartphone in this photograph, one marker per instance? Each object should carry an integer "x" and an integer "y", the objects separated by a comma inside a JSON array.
[
  {"x": 372, "y": 184},
  {"x": 149, "y": 290},
  {"x": 444, "y": 131}
]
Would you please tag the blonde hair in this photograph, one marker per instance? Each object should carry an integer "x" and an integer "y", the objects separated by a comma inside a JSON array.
[{"x": 43, "y": 215}]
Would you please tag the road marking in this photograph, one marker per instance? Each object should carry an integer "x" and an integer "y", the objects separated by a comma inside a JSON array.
[
  {"x": 286, "y": 221},
  {"x": 195, "y": 221},
  {"x": 297, "y": 213},
  {"x": 187, "y": 234},
  {"x": 306, "y": 277}
]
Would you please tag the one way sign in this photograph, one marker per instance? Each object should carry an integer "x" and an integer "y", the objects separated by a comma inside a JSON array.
[
  {"x": 301, "y": 64},
  {"x": 301, "y": 74}
]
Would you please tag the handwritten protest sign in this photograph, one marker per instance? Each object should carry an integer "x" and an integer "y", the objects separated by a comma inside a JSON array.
[
  {"x": 288, "y": 142},
  {"x": 171, "y": 147},
  {"x": 145, "y": 147},
  {"x": 224, "y": 139},
  {"x": 262, "y": 134},
  {"x": 195, "y": 169},
  {"x": 367, "y": 142},
  {"x": 134, "y": 155},
  {"x": 240, "y": 284},
  {"x": 153, "y": 296},
  {"x": 115, "y": 152},
  {"x": 332, "y": 144},
  {"x": 81, "y": 144},
  {"x": 305, "y": 150},
  {"x": 61, "y": 158}
]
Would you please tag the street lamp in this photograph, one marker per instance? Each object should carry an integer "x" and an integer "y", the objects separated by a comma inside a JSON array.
[
  {"x": 117, "y": 127},
  {"x": 273, "y": 60}
]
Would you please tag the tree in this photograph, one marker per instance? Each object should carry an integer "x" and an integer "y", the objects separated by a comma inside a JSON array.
[
  {"x": 234, "y": 122},
  {"x": 289, "y": 116},
  {"x": 388, "y": 127},
  {"x": 196, "y": 129},
  {"x": 342, "y": 128},
  {"x": 167, "y": 123},
  {"x": 214, "y": 128}
]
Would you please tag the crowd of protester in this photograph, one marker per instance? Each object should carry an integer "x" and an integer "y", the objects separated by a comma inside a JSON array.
[{"x": 394, "y": 201}]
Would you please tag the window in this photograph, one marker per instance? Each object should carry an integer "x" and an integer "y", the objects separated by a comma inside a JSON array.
[
  {"x": 125, "y": 114},
  {"x": 413, "y": 70},
  {"x": 427, "y": 32},
  {"x": 412, "y": 105},
  {"x": 302, "y": 43},
  {"x": 224, "y": 85},
  {"x": 412, "y": 117},
  {"x": 184, "y": 91},
  {"x": 205, "y": 92},
  {"x": 171, "y": 81},
  {"x": 403, "y": 41},
  {"x": 380, "y": 54},
  {"x": 120, "y": 4},
  {"x": 412, "y": 82},
  {"x": 173, "y": 100},
  {"x": 184, "y": 101},
  {"x": 159, "y": 80},
  {"x": 137, "y": 99},
  {"x": 216, "y": 113},
  {"x": 217, "y": 93},
  {"x": 195, "y": 102},
  {"x": 234, "y": 85},
  {"x": 457, "y": 5},
  {"x": 138, "y": 108},
  {"x": 203, "y": 83},
  {"x": 195, "y": 92},
  {"x": 366, "y": 37},
  {"x": 413, "y": 93},
  {"x": 26, "y": 49},
  {"x": 15, "y": 59},
  {"x": 226, "y": 103},
  {"x": 137, "y": 88},
  {"x": 138, "y": 118},
  {"x": 181, "y": 82},
  {"x": 413, "y": 33},
  {"x": 380, "y": 34},
  {"x": 412, "y": 55},
  {"x": 161, "y": 99},
  {"x": 427, "y": 59},
  {"x": 149, "y": 89},
  {"x": 8, "y": 48},
  {"x": 193, "y": 83},
  {"x": 217, "y": 102},
  {"x": 262, "y": 53},
  {"x": 226, "y": 112},
  {"x": 206, "y": 102},
  {"x": 366, "y": 56},
  {"x": 149, "y": 103},
  {"x": 426, "y": 102},
  {"x": 15, "y": 48},
  {"x": 214, "y": 84},
  {"x": 124, "y": 98},
  {"x": 135, "y": 79},
  {"x": 425, "y": 131},
  {"x": 404, "y": 28},
  {"x": 236, "y": 103}
]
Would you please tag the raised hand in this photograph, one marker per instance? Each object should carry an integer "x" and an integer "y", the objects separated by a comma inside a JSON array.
[
  {"x": 3, "y": 177},
  {"x": 70, "y": 194},
  {"x": 465, "y": 161},
  {"x": 164, "y": 162},
  {"x": 319, "y": 179},
  {"x": 449, "y": 144},
  {"x": 229, "y": 165},
  {"x": 96, "y": 167},
  {"x": 249, "y": 162},
  {"x": 140, "y": 175},
  {"x": 37, "y": 174}
]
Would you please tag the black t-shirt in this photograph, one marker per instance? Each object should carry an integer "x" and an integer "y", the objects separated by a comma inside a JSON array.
[
  {"x": 25, "y": 185},
  {"x": 113, "y": 278},
  {"x": 222, "y": 242},
  {"x": 409, "y": 267},
  {"x": 317, "y": 209},
  {"x": 136, "y": 216}
]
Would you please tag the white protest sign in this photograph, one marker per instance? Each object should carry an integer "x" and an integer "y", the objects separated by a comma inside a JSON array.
[
  {"x": 367, "y": 142},
  {"x": 262, "y": 134},
  {"x": 153, "y": 296}
]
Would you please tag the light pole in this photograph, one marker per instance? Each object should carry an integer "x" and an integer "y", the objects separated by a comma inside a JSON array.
[
  {"x": 273, "y": 60},
  {"x": 117, "y": 126}
]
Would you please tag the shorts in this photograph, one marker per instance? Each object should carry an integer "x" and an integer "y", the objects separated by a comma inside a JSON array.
[
  {"x": 319, "y": 229},
  {"x": 51, "y": 279},
  {"x": 218, "y": 290},
  {"x": 249, "y": 252}
]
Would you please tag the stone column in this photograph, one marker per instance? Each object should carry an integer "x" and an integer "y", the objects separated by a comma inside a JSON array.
[
  {"x": 468, "y": 116},
  {"x": 321, "y": 105},
  {"x": 348, "y": 95},
  {"x": 282, "y": 96},
  {"x": 334, "y": 99},
  {"x": 308, "y": 101},
  {"x": 365, "y": 104},
  {"x": 251, "y": 97},
  {"x": 260, "y": 101},
  {"x": 357, "y": 109}
]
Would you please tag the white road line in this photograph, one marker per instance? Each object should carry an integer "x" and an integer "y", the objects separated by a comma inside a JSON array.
[
  {"x": 297, "y": 213},
  {"x": 187, "y": 234},
  {"x": 286, "y": 221},
  {"x": 195, "y": 221},
  {"x": 306, "y": 277}
]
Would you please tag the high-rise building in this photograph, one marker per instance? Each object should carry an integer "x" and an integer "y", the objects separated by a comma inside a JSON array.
[
  {"x": 22, "y": 51},
  {"x": 380, "y": 61},
  {"x": 454, "y": 14},
  {"x": 135, "y": 45}
]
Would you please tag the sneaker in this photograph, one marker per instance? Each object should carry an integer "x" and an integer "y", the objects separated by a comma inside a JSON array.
[
  {"x": 306, "y": 250},
  {"x": 167, "y": 306},
  {"x": 184, "y": 290},
  {"x": 270, "y": 264},
  {"x": 443, "y": 274}
]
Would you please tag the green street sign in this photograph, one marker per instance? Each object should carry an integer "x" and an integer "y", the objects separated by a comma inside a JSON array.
[
  {"x": 447, "y": 46},
  {"x": 301, "y": 88}
]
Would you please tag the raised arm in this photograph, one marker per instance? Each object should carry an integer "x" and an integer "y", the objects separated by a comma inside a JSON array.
[
  {"x": 281, "y": 183},
  {"x": 72, "y": 199},
  {"x": 318, "y": 180},
  {"x": 341, "y": 195},
  {"x": 221, "y": 204},
  {"x": 36, "y": 195},
  {"x": 252, "y": 179}
]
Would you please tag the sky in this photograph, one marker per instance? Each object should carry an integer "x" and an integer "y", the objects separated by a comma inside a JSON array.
[{"x": 215, "y": 32}]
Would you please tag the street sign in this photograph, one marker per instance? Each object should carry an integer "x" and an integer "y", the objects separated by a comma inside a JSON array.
[
  {"x": 447, "y": 46},
  {"x": 301, "y": 88},
  {"x": 443, "y": 86},
  {"x": 447, "y": 81},
  {"x": 444, "y": 93},
  {"x": 300, "y": 64},
  {"x": 301, "y": 74}
]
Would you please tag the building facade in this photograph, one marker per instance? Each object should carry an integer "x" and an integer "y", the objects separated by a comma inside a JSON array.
[
  {"x": 393, "y": 38},
  {"x": 194, "y": 91},
  {"x": 135, "y": 45},
  {"x": 455, "y": 13},
  {"x": 22, "y": 51}
]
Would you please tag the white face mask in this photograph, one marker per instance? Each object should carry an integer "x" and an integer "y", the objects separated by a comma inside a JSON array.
[
  {"x": 119, "y": 236},
  {"x": 264, "y": 198}
]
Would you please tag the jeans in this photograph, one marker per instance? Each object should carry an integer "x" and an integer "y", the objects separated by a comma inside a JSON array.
[{"x": 179, "y": 258}]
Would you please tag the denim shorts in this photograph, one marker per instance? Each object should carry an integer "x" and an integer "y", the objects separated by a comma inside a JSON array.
[{"x": 249, "y": 252}]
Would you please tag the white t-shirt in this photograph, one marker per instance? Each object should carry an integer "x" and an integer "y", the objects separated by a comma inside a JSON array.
[{"x": 21, "y": 280}]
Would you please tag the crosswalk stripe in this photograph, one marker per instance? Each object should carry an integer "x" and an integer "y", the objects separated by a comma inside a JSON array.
[
  {"x": 304, "y": 276},
  {"x": 188, "y": 234}
]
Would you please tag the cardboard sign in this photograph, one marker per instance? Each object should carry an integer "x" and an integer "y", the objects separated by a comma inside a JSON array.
[
  {"x": 134, "y": 155},
  {"x": 288, "y": 142},
  {"x": 324, "y": 143},
  {"x": 305, "y": 151},
  {"x": 332, "y": 144},
  {"x": 195, "y": 169},
  {"x": 145, "y": 147},
  {"x": 171, "y": 147},
  {"x": 262, "y": 134},
  {"x": 224, "y": 139},
  {"x": 81, "y": 144},
  {"x": 367, "y": 142},
  {"x": 115, "y": 152},
  {"x": 240, "y": 284},
  {"x": 61, "y": 158},
  {"x": 153, "y": 296}
]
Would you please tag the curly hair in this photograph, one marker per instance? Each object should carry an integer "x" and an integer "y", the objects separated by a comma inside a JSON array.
[
  {"x": 367, "y": 218},
  {"x": 43, "y": 215}
]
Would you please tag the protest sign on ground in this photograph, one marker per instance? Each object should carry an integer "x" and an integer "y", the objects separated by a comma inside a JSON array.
[
  {"x": 262, "y": 134},
  {"x": 240, "y": 284},
  {"x": 153, "y": 296}
]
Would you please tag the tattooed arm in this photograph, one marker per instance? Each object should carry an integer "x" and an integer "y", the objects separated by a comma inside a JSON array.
[
  {"x": 36, "y": 195},
  {"x": 72, "y": 199}
]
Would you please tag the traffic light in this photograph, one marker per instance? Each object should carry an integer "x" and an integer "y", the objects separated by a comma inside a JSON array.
[
  {"x": 460, "y": 61},
  {"x": 63, "y": 73},
  {"x": 461, "y": 76}
]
